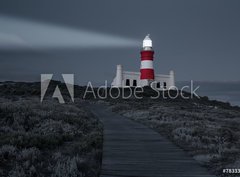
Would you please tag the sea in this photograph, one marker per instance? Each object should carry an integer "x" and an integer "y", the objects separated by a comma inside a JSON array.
[{"x": 221, "y": 91}]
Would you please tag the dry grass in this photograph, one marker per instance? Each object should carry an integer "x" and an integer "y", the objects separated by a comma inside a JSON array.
[
  {"x": 48, "y": 139},
  {"x": 209, "y": 133}
]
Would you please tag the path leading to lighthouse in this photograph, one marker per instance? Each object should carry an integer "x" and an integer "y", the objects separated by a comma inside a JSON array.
[{"x": 131, "y": 149}]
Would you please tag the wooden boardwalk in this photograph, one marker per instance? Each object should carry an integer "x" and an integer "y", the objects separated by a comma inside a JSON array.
[{"x": 133, "y": 150}]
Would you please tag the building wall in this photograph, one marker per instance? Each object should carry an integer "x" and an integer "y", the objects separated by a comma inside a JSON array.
[
  {"x": 165, "y": 81},
  {"x": 132, "y": 79}
]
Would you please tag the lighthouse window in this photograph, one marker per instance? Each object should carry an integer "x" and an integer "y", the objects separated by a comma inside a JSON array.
[
  {"x": 127, "y": 82},
  {"x": 164, "y": 85},
  {"x": 134, "y": 83},
  {"x": 158, "y": 85}
]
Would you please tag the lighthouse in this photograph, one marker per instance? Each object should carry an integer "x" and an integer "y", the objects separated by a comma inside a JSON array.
[
  {"x": 146, "y": 76},
  {"x": 146, "y": 69}
]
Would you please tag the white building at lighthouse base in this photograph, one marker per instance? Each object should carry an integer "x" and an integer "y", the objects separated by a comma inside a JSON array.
[{"x": 132, "y": 79}]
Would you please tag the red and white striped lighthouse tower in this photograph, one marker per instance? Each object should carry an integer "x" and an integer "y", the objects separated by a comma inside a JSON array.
[{"x": 146, "y": 70}]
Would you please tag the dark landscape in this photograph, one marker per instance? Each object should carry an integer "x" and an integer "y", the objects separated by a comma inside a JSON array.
[
  {"x": 58, "y": 140},
  {"x": 207, "y": 130},
  {"x": 46, "y": 139}
]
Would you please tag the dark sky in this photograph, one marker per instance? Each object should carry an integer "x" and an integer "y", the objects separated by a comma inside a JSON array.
[{"x": 199, "y": 40}]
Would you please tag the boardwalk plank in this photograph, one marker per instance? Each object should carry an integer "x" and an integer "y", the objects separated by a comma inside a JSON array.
[{"x": 131, "y": 149}]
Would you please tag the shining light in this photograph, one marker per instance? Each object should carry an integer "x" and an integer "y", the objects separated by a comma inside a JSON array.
[{"x": 18, "y": 33}]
